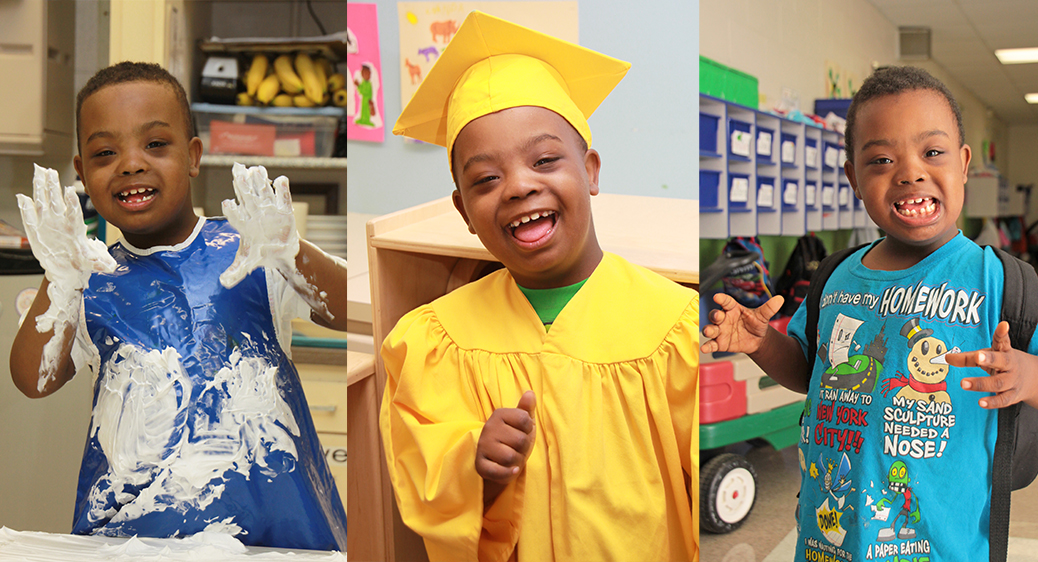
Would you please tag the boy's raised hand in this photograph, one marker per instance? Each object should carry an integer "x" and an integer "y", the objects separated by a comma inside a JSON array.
[
  {"x": 504, "y": 445},
  {"x": 53, "y": 221},
  {"x": 1013, "y": 374},
  {"x": 738, "y": 329},
  {"x": 264, "y": 218}
]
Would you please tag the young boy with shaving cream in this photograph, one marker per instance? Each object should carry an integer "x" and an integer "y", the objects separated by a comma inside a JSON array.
[
  {"x": 199, "y": 420},
  {"x": 546, "y": 411}
]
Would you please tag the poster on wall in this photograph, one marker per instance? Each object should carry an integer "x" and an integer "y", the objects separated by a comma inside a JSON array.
[
  {"x": 427, "y": 27},
  {"x": 364, "y": 107}
]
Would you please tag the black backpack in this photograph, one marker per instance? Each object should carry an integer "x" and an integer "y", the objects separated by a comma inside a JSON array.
[
  {"x": 1015, "y": 461},
  {"x": 796, "y": 278}
]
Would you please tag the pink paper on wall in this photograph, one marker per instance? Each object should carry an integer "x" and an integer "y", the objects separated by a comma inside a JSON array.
[{"x": 364, "y": 108}]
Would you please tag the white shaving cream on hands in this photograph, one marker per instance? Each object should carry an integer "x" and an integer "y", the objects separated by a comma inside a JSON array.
[
  {"x": 54, "y": 224},
  {"x": 267, "y": 225}
]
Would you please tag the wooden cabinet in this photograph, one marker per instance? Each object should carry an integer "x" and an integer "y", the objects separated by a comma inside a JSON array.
[
  {"x": 325, "y": 387},
  {"x": 37, "y": 40},
  {"x": 419, "y": 254}
]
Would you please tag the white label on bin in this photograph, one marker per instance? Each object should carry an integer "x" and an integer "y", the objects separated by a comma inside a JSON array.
[
  {"x": 789, "y": 151},
  {"x": 809, "y": 195},
  {"x": 827, "y": 196},
  {"x": 740, "y": 190},
  {"x": 789, "y": 194},
  {"x": 811, "y": 156},
  {"x": 766, "y": 195},
  {"x": 845, "y": 196},
  {"x": 764, "y": 143},
  {"x": 831, "y": 155},
  {"x": 740, "y": 143}
]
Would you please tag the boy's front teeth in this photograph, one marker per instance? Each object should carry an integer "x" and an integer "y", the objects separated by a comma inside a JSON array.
[
  {"x": 916, "y": 210},
  {"x": 530, "y": 217}
]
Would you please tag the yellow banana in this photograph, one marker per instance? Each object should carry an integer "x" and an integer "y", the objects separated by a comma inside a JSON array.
[
  {"x": 282, "y": 100},
  {"x": 245, "y": 99},
  {"x": 339, "y": 97},
  {"x": 257, "y": 72},
  {"x": 290, "y": 81},
  {"x": 268, "y": 89},
  {"x": 336, "y": 82},
  {"x": 325, "y": 65},
  {"x": 313, "y": 85},
  {"x": 302, "y": 100},
  {"x": 322, "y": 75}
]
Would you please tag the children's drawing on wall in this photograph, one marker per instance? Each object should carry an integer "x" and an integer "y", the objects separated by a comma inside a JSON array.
[
  {"x": 364, "y": 105},
  {"x": 840, "y": 83},
  {"x": 427, "y": 27}
]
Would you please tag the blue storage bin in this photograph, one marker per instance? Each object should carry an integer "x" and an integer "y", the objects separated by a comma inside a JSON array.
[
  {"x": 708, "y": 133},
  {"x": 850, "y": 196},
  {"x": 742, "y": 149},
  {"x": 741, "y": 202},
  {"x": 812, "y": 195},
  {"x": 830, "y": 189},
  {"x": 837, "y": 106},
  {"x": 834, "y": 150},
  {"x": 709, "y": 181}
]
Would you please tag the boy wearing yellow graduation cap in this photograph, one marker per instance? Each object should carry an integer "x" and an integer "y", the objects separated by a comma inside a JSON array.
[{"x": 544, "y": 412}]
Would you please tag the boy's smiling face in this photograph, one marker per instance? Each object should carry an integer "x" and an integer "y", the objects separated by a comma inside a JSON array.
[
  {"x": 136, "y": 161},
  {"x": 909, "y": 169},
  {"x": 526, "y": 162}
]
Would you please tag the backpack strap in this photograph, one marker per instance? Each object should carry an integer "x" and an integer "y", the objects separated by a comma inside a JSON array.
[
  {"x": 1015, "y": 461},
  {"x": 814, "y": 298}
]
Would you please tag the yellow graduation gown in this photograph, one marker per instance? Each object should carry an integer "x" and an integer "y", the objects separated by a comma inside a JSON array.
[{"x": 616, "y": 413}]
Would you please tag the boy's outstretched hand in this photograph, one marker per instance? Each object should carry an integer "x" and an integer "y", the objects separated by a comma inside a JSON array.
[
  {"x": 264, "y": 218},
  {"x": 1013, "y": 373},
  {"x": 738, "y": 329},
  {"x": 504, "y": 445}
]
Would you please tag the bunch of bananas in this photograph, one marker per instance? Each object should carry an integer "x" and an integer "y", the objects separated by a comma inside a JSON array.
[{"x": 298, "y": 80}]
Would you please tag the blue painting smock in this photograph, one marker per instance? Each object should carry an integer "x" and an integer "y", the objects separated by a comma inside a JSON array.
[
  {"x": 895, "y": 456},
  {"x": 199, "y": 420}
]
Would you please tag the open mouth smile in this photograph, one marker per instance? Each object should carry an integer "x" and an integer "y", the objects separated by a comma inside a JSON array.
[
  {"x": 533, "y": 229},
  {"x": 921, "y": 207},
  {"x": 136, "y": 196}
]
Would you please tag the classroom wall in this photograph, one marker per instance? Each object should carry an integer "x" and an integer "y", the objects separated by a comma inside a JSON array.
[
  {"x": 646, "y": 130},
  {"x": 792, "y": 45},
  {"x": 1022, "y": 161}
]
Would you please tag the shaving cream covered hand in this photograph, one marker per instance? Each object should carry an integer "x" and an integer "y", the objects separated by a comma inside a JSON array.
[
  {"x": 264, "y": 219},
  {"x": 54, "y": 224}
]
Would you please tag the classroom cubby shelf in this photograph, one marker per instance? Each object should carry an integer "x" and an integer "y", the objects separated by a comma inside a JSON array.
[{"x": 760, "y": 174}]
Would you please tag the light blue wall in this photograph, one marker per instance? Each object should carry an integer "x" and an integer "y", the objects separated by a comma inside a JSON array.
[{"x": 647, "y": 130}]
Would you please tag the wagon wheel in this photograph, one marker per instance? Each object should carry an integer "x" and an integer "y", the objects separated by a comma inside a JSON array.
[{"x": 728, "y": 489}]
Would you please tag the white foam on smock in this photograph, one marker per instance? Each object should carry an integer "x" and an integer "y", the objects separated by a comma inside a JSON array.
[{"x": 141, "y": 418}]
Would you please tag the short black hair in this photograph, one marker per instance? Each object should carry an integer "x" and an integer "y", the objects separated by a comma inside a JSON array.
[
  {"x": 891, "y": 80},
  {"x": 127, "y": 71}
]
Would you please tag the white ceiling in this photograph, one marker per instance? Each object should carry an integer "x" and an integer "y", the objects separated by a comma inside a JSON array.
[{"x": 964, "y": 36}]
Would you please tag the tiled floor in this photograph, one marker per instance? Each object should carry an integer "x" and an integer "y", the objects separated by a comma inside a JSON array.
[{"x": 769, "y": 535}]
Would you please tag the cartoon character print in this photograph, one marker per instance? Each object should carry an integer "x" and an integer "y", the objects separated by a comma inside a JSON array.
[
  {"x": 926, "y": 365},
  {"x": 857, "y": 372},
  {"x": 898, "y": 482},
  {"x": 833, "y": 521}
]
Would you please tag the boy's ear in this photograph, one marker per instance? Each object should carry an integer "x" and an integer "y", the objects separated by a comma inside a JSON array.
[
  {"x": 593, "y": 165},
  {"x": 848, "y": 170},
  {"x": 77, "y": 163},
  {"x": 194, "y": 150},
  {"x": 965, "y": 154},
  {"x": 459, "y": 204}
]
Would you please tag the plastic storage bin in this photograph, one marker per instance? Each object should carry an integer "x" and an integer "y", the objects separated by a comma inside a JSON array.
[
  {"x": 765, "y": 144},
  {"x": 709, "y": 181},
  {"x": 266, "y": 131},
  {"x": 708, "y": 133},
  {"x": 739, "y": 193},
  {"x": 740, "y": 142},
  {"x": 837, "y": 106}
]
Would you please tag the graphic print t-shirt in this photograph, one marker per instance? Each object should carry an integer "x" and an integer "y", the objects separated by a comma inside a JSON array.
[{"x": 895, "y": 457}]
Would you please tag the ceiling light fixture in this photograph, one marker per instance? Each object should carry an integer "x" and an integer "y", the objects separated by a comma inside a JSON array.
[
  {"x": 1031, "y": 98},
  {"x": 1017, "y": 56}
]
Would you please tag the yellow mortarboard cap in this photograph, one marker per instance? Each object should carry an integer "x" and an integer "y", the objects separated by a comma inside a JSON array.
[{"x": 492, "y": 64}]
